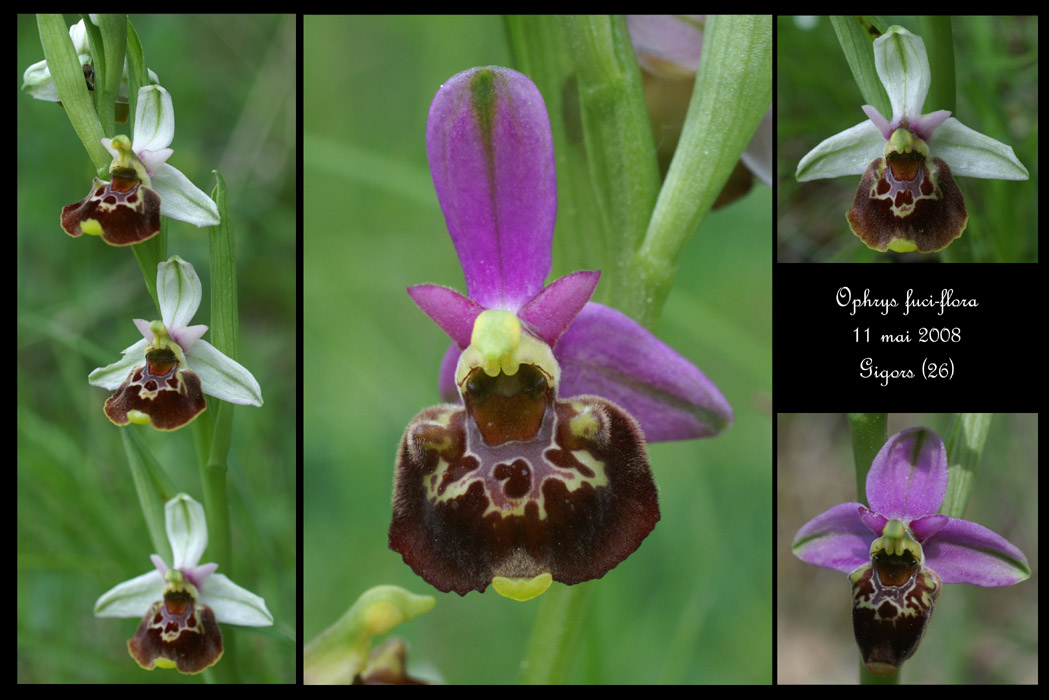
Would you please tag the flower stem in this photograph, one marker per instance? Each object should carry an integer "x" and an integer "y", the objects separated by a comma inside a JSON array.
[
  {"x": 733, "y": 90},
  {"x": 555, "y": 637}
]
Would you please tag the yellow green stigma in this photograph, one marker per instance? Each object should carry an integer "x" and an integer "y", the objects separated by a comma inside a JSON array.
[
  {"x": 497, "y": 336},
  {"x": 164, "y": 342},
  {"x": 903, "y": 141},
  {"x": 176, "y": 582},
  {"x": 122, "y": 145},
  {"x": 126, "y": 164},
  {"x": 895, "y": 540}
]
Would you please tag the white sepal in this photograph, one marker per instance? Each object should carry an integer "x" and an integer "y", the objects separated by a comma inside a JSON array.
[
  {"x": 846, "y": 153},
  {"x": 223, "y": 377},
  {"x": 973, "y": 154},
  {"x": 234, "y": 605},
  {"x": 131, "y": 598}
]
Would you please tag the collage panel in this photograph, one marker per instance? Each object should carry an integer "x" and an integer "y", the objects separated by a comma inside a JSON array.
[
  {"x": 906, "y": 139},
  {"x": 494, "y": 221},
  {"x": 880, "y": 520},
  {"x": 156, "y": 349}
]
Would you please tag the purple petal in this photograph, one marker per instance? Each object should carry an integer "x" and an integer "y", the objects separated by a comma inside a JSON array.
[
  {"x": 607, "y": 353},
  {"x": 965, "y": 552},
  {"x": 908, "y": 478},
  {"x": 492, "y": 161},
  {"x": 875, "y": 522},
  {"x": 926, "y": 124},
  {"x": 835, "y": 539},
  {"x": 552, "y": 310},
  {"x": 879, "y": 121},
  {"x": 924, "y": 528},
  {"x": 449, "y": 309}
]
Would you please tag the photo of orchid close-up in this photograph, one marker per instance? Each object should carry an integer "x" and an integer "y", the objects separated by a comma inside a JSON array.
[
  {"x": 537, "y": 349},
  {"x": 907, "y": 548},
  {"x": 156, "y": 345},
  {"x": 916, "y": 140}
]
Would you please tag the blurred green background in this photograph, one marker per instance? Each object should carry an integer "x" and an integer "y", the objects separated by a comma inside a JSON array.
[
  {"x": 693, "y": 604},
  {"x": 996, "y": 68},
  {"x": 80, "y": 529},
  {"x": 976, "y": 635}
]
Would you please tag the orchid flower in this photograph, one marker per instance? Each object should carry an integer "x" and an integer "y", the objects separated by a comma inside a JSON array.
[
  {"x": 181, "y": 606},
  {"x": 162, "y": 379},
  {"x": 143, "y": 186},
  {"x": 907, "y": 198},
  {"x": 513, "y": 485},
  {"x": 899, "y": 552}
]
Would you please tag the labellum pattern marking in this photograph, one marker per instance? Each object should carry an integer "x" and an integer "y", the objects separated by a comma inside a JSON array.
[
  {"x": 573, "y": 500},
  {"x": 892, "y": 602}
]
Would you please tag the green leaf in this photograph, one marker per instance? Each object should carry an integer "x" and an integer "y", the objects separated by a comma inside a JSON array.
[
  {"x": 583, "y": 236},
  {"x": 108, "y": 43},
  {"x": 856, "y": 34},
  {"x": 137, "y": 75},
  {"x": 966, "y": 437},
  {"x": 68, "y": 75},
  {"x": 153, "y": 486}
]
